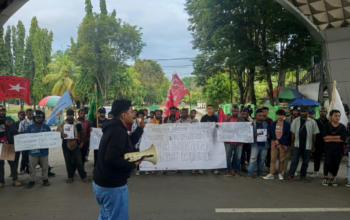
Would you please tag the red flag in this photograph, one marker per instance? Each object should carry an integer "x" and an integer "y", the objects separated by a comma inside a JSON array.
[
  {"x": 176, "y": 92},
  {"x": 222, "y": 117},
  {"x": 14, "y": 87}
]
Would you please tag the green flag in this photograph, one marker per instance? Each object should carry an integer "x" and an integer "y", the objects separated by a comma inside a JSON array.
[{"x": 95, "y": 105}]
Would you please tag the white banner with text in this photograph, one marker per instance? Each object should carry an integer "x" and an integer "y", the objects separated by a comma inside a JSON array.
[
  {"x": 240, "y": 132},
  {"x": 42, "y": 140},
  {"x": 183, "y": 147}
]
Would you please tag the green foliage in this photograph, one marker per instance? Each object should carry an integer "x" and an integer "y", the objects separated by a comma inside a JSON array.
[
  {"x": 88, "y": 7},
  {"x": 217, "y": 90},
  {"x": 18, "y": 40},
  {"x": 103, "y": 46},
  {"x": 8, "y": 52},
  {"x": 3, "y": 60}
]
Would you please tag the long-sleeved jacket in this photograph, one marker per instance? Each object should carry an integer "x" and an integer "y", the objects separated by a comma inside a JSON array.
[{"x": 284, "y": 140}]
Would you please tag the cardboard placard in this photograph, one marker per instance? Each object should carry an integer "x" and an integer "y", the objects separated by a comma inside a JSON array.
[{"x": 7, "y": 152}]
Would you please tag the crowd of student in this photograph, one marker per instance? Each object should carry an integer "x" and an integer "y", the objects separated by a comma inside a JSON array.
[{"x": 287, "y": 138}]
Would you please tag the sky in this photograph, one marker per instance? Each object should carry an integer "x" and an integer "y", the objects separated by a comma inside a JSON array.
[{"x": 164, "y": 26}]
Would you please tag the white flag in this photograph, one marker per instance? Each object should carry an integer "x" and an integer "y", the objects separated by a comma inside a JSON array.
[{"x": 338, "y": 105}]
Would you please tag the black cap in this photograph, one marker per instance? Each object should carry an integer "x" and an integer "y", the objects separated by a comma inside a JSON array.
[
  {"x": 101, "y": 110},
  {"x": 70, "y": 112},
  {"x": 294, "y": 108},
  {"x": 304, "y": 109},
  {"x": 21, "y": 113}
]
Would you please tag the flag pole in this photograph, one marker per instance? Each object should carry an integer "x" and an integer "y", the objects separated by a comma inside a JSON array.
[
  {"x": 333, "y": 94},
  {"x": 96, "y": 105}
]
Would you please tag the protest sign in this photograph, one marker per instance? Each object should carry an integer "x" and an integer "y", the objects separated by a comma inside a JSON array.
[
  {"x": 40, "y": 140},
  {"x": 95, "y": 138},
  {"x": 241, "y": 132},
  {"x": 7, "y": 152},
  {"x": 183, "y": 147}
]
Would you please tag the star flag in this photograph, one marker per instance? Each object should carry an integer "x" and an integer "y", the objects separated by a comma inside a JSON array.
[
  {"x": 176, "y": 92},
  {"x": 14, "y": 87}
]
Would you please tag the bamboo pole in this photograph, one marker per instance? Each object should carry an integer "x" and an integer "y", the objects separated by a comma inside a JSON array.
[
  {"x": 333, "y": 94},
  {"x": 96, "y": 106}
]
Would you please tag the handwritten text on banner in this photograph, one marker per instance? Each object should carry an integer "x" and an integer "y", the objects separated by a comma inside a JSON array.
[
  {"x": 183, "y": 147},
  {"x": 38, "y": 141},
  {"x": 241, "y": 132},
  {"x": 95, "y": 138}
]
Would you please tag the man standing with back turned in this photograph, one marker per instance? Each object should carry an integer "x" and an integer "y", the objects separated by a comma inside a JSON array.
[{"x": 112, "y": 170}]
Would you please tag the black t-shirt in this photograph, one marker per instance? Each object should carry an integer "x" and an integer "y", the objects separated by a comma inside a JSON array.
[
  {"x": 302, "y": 134},
  {"x": 319, "y": 136},
  {"x": 17, "y": 124},
  {"x": 2, "y": 128},
  {"x": 100, "y": 123},
  {"x": 334, "y": 147},
  {"x": 207, "y": 118},
  {"x": 260, "y": 126}
]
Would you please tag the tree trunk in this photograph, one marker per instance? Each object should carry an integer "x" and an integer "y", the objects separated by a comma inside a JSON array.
[
  {"x": 78, "y": 104},
  {"x": 231, "y": 84},
  {"x": 21, "y": 102},
  {"x": 251, "y": 85},
  {"x": 270, "y": 89},
  {"x": 240, "y": 85}
]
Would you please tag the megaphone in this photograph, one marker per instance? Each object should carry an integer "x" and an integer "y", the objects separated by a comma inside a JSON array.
[{"x": 150, "y": 155}]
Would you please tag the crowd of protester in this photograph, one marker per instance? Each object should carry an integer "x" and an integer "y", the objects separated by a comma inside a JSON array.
[{"x": 292, "y": 138}]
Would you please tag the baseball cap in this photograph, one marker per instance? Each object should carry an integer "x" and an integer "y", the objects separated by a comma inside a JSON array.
[
  {"x": 101, "y": 110},
  {"x": 311, "y": 111},
  {"x": 70, "y": 112},
  {"x": 304, "y": 109},
  {"x": 294, "y": 108}
]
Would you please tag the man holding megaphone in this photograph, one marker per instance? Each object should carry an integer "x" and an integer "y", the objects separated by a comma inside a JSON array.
[{"x": 112, "y": 170}]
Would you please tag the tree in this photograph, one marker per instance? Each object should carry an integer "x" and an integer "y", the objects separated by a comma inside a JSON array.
[
  {"x": 18, "y": 40},
  {"x": 104, "y": 45},
  {"x": 64, "y": 73},
  {"x": 217, "y": 90},
  {"x": 8, "y": 51}
]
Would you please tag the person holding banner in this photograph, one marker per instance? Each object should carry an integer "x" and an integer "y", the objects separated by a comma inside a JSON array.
[
  {"x": 260, "y": 145},
  {"x": 233, "y": 147},
  {"x": 172, "y": 117},
  {"x": 70, "y": 147},
  {"x": 112, "y": 170},
  {"x": 38, "y": 155},
  {"x": 101, "y": 119},
  {"x": 158, "y": 118},
  {"x": 6, "y": 137}
]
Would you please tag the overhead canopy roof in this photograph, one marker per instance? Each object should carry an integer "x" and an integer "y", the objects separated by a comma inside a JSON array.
[
  {"x": 9, "y": 8},
  {"x": 325, "y": 14}
]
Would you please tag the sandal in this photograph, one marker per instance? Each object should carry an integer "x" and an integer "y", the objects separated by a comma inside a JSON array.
[
  {"x": 304, "y": 180},
  {"x": 176, "y": 171},
  {"x": 194, "y": 171},
  {"x": 288, "y": 179},
  {"x": 85, "y": 180},
  {"x": 70, "y": 180}
]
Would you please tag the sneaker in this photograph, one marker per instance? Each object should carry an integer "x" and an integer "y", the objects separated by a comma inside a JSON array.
[
  {"x": 194, "y": 171},
  {"x": 216, "y": 172},
  {"x": 46, "y": 183},
  {"x": 30, "y": 185},
  {"x": 325, "y": 182},
  {"x": 347, "y": 184},
  {"x": 37, "y": 167},
  {"x": 51, "y": 174},
  {"x": 200, "y": 172},
  {"x": 163, "y": 172},
  {"x": 250, "y": 177},
  {"x": 334, "y": 182},
  {"x": 2, "y": 185},
  {"x": 296, "y": 173},
  {"x": 138, "y": 173},
  {"x": 229, "y": 173},
  {"x": 280, "y": 176},
  {"x": 153, "y": 172},
  {"x": 314, "y": 174},
  {"x": 147, "y": 173},
  {"x": 17, "y": 183},
  {"x": 269, "y": 177}
]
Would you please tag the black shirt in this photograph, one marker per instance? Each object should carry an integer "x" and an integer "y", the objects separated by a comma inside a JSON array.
[
  {"x": 17, "y": 124},
  {"x": 100, "y": 123},
  {"x": 207, "y": 118},
  {"x": 319, "y": 136},
  {"x": 334, "y": 147},
  {"x": 302, "y": 134},
  {"x": 2, "y": 128}
]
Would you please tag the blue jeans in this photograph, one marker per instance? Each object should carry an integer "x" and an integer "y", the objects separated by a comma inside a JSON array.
[
  {"x": 349, "y": 166},
  {"x": 305, "y": 155},
  {"x": 113, "y": 202},
  {"x": 257, "y": 155},
  {"x": 237, "y": 149}
]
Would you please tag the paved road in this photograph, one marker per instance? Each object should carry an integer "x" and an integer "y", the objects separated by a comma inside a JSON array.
[{"x": 173, "y": 196}]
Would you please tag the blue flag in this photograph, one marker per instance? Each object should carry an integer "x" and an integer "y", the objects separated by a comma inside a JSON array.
[{"x": 64, "y": 102}]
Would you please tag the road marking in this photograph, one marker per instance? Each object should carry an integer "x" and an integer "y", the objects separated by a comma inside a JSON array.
[{"x": 262, "y": 210}]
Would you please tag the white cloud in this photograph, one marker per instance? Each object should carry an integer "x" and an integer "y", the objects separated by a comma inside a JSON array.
[{"x": 164, "y": 25}]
